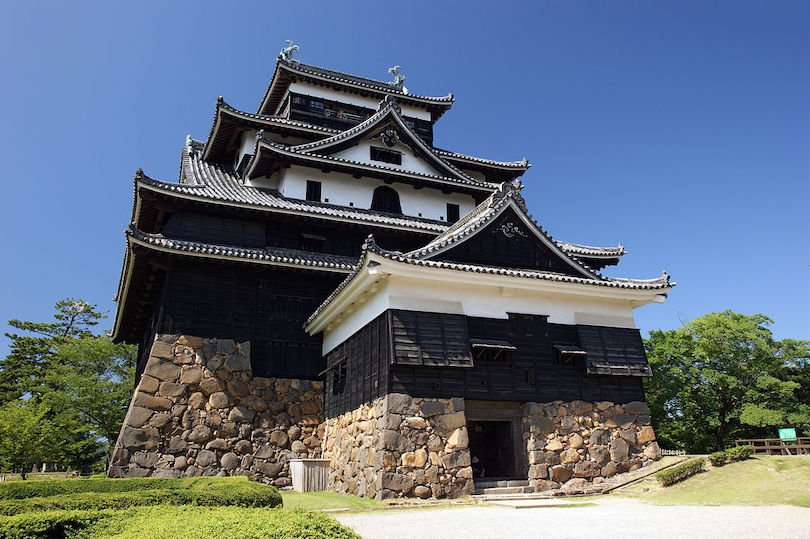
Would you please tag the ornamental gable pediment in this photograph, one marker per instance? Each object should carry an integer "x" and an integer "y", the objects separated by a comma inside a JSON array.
[{"x": 509, "y": 241}]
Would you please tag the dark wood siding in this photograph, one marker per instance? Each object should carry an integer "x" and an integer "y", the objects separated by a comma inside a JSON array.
[
  {"x": 430, "y": 339},
  {"x": 358, "y": 368},
  {"x": 532, "y": 372},
  {"x": 509, "y": 241},
  {"x": 264, "y": 306},
  {"x": 209, "y": 228}
]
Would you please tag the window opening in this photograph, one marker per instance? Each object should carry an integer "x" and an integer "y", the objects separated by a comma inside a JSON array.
[
  {"x": 311, "y": 242},
  {"x": 386, "y": 156},
  {"x": 453, "y": 212},
  {"x": 386, "y": 199},
  {"x": 313, "y": 191}
]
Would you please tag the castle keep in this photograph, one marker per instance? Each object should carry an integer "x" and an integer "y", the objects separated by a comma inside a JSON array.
[{"x": 323, "y": 281}]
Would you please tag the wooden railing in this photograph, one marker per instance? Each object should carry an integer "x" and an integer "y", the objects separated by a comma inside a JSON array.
[{"x": 775, "y": 446}]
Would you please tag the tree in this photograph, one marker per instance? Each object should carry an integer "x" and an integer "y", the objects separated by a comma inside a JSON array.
[
  {"x": 27, "y": 436},
  {"x": 31, "y": 355},
  {"x": 93, "y": 377},
  {"x": 723, "y": 376},
  {"x": 81, "y": 382}
]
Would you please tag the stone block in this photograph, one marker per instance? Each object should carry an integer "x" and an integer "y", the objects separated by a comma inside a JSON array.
[
  {"x": 541, "y": 425},
  {"x": 456, "y": 459},
  {"x": 586, "y": 468},
  {"x": 197, "y": 401},
  {"x": 170, "y": 389},
  {"x": 619, "y": 449},
  {"x": 575, "y": 441},
  {"x": 191, "y": 376},
  {"x": 241, "y": 414},
  {"x": 415, "y": 459},
  {"x": 459, "y": 439},
  {"x": 394, "y": 441},
  {"x": 162, "y": 350},
  {"x": 145, "y": 438},
  {"x": 652, "y": 451},
  {"x": 637, "y": 408},
  {"x": 555, "y": 444},
  {"x": 569, "y": 456},
  {"x": 160, "y": 420},
  {"x": 538, "y": 471},
  {"x": 399, "y": 403},
  {"x": 628, "y": 435},
  {"x": 218, "y": 444},
  {"x": 209, "y": 386},
  {"x": 395, "y": 482},
  {"x": 599, "y": 454},
  {"x": 158, "y": 404},
  {"x": 422, "y": 492},
  {"x": 415, "y": 422},
  {"x": 645, "y": 435},
  {"x": 279, "y": 438},
  {"x": 243, "y": 447},
  {"x": 229, "y": 461},
  {"x": 568, "y": 425},
  {"x": 447, "y": 423},
  {"x": 205, "y": 458},
  {"x": 200, "y": 434},
  {"x": 599, "y": 436},
  {"x": 624, "y": 420},
  {"x": 138, "y": 416},
  {"x": 254, "y": 403},
  {"x": 219, "y": 399},
  {"x": 576, "y": 484},
  {"x": 560, "y": 473},
  {"x": 431, "y": 408},
  {"x": 148, "y": 384},
  {"x": 165, "y": 371}
]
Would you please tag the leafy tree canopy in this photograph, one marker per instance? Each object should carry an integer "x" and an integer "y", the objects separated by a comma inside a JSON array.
[{"x": 723, "y": 376}]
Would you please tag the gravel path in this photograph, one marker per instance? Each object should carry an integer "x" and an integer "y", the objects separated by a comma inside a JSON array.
[{"x": 608, "y": 518}]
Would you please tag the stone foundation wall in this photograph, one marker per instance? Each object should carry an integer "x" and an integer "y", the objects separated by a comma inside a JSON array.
[
  {"x": 574, "y": 444},
  {"x": 400, "y": 446},
  {"x": 198, "y": 410}
]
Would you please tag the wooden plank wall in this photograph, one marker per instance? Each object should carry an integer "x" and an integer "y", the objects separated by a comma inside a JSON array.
[{"x": 264, "y": 306}]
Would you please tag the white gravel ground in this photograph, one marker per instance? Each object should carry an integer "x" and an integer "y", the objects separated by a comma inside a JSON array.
[{"x": 610, "y": 517}]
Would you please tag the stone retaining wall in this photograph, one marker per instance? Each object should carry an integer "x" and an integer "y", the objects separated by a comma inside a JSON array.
[
  {"x": 198, "y": 410},
  {"x": 573, "y": 444},
  {"x": 400, "y": 446}
]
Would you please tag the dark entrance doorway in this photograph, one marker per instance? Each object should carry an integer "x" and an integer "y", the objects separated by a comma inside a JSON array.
[{"x": 492, "y": 448}]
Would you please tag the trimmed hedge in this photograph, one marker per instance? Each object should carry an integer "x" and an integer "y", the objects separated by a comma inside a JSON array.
[
  {"x": 224, "y": 493},
  {"x": 174, "y": 523},
  {"x": 682, "y": 471},
  {"x": 50, "y": 524},
  {"x": 734, "y": 454},
  {"x": 16, "y": 490}
]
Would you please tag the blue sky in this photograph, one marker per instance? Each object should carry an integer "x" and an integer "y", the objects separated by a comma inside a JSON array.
[{"x": 681, "y": 129}]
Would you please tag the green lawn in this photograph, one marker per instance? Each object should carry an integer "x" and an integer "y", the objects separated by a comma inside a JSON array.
[
  {"x": 757, "y": 481},
  {"x": 320, "y": 501}
]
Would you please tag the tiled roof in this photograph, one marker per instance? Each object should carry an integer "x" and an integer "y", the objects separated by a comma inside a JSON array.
[
  {"x": 208, "y": 182},
  {"x": 355, "y": 80},
  {"x": 589, "y": 251},
  {"x": 523, "y": 164},
  {"x": 388, "y": 112},
  {"x": 659, "y": 283},
  {"x": 461, "y": 180},
  {"x": 484, "y": 214},
  {"x": 267, "y": 255}
]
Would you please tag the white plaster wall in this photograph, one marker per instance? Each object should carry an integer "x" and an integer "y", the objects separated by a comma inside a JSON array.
[
  {"x": 410, "y": 161},
  {"x": 497, "y": 302},
  {"x": 343, "y": 189},
  {"x": 374, "y": 305},
  {"x": 353, "y": 99},
  {"x": 246, "y": 146}
]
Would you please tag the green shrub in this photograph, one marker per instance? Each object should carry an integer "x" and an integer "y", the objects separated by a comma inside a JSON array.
[
  {"x": 50, "y": 524},
  {"x": 222, "y": 523},
  {"x": 242, "y": 494},
  {"x": 17, "y": 490},
  {"x": 682, "y": 471},
  {"x": 174, "y": 523},
  {"x": 731, "y": 455},
  {"x": 718, "y": 458}
]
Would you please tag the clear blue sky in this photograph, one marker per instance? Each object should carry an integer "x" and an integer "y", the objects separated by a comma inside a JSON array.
[{"x": 681, "y": 129}]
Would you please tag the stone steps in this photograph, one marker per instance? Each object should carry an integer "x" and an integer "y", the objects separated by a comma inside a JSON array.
[{"x": 498, "y": 487}]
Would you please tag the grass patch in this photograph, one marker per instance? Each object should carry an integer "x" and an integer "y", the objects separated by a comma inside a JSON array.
[
  {"x": 757, "y": 481},
  {"x": 320, "y": 501}
]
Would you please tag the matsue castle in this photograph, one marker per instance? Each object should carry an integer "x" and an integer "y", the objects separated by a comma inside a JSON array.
[{"x": 324, "y": 281}]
